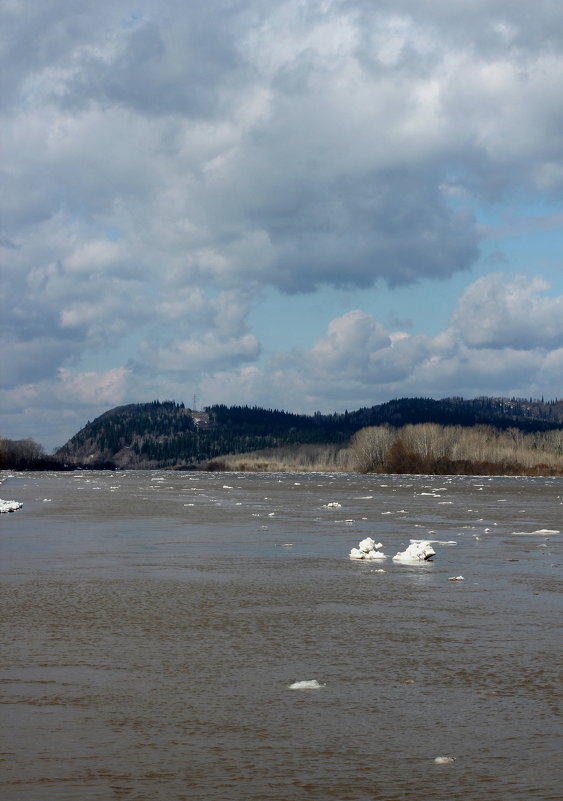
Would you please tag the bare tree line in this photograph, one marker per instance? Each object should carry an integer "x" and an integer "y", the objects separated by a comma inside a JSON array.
[
  {"x": 421, "y": 448},
  {"x": 429, "y": 445}
]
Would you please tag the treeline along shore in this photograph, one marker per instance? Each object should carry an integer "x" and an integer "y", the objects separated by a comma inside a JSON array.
[
  {"x": 411, "y": 435},
  {"x": 426, "y": 448}
]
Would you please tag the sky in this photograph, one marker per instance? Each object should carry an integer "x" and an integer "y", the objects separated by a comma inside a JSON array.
[{"x": 299, "y": 204}]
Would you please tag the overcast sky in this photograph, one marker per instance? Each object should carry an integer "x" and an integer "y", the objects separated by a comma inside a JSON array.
[{"x": 300, "y": 204}]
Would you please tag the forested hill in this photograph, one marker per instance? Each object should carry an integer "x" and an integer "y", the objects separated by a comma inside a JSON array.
[{"x": 166, "y": 434}]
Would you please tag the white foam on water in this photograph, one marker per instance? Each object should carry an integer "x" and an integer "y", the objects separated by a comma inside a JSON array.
[{"x": 311, "y": 684}]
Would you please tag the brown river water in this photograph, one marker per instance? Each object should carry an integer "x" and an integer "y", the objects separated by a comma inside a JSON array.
[{"x": 153, "y": 622}]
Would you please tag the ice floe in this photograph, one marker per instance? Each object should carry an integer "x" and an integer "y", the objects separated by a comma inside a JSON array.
[
  {"x": 418, "y": 551},
  {"x": 542, "y": 532},
  {"x": 9, "y": 506},
  {"x": 367, "y": 549},
  {"x": 312, "y": 684}
]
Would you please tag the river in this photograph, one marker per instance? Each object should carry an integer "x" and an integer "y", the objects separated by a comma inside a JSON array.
[{"x": 154, "y": 622}]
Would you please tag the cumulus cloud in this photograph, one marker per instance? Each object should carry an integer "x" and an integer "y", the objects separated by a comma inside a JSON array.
[
  {"x": 357, "y": 361},
  {"x": 495, "y": 312}
]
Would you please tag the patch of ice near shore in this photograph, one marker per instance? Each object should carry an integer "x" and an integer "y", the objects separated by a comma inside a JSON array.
[
  {"x": 418, "y": 551},
  {"x": 367, "y": 549},
  {"x": 313, "y": 684},
  {"x": 9, "y": 506},
  {"x": 543, "y": 532}
]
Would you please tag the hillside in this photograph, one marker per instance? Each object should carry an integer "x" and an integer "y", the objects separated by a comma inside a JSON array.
[{"x": 167, "y": 434}]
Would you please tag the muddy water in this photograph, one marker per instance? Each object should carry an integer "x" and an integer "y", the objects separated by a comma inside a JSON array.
[{"x": 153, "y": 622}]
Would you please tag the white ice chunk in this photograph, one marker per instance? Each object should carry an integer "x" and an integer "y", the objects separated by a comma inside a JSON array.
[
  {"x": 456, "y": 578},
  {"x": 418, "y": 551},
  {"x": 367, "y": 549},
  {"x": 368, "y": 545},
  {"x": 313, "y": 684},
  {"x": 9, "y": 506},
  {"x": 543, "y": 532},
  {"x": 332, "y": 505}
]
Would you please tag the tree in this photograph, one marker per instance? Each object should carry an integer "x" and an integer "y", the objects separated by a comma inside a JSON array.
[{"x": 369, "y": 446}]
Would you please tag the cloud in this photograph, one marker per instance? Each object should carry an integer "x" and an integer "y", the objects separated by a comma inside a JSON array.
[
  {"x": 207, "y": 353},
  {"x": 495, "y": 312},
  {"x": 502, "y": 340},
  {"x": 166, "y": 169}
]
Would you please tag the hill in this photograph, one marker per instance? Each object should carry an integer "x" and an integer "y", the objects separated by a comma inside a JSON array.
[{"x": 167, "y": 434}]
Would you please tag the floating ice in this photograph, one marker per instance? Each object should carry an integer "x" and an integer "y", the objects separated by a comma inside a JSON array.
[
  {"x": 444, "y": 760},
  {"x": 313, "y": 684},
  {"x": 418, "y": 551},
  {"x": 367, "y": 549},
  {"x": 442, "y": 542},
  {"x": 456, "y": 578},
  {"x": 542, "y": 532},
  {"x": 332, "y": 505},
  {"x": 9, "y": 506}
]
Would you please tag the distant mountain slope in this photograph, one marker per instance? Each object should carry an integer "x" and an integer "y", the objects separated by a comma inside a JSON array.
[{"x": 166, "y": 434}]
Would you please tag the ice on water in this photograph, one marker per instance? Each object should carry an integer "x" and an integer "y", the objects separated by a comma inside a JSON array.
[
  {"x": 418, "y": 551},
  {"x": 367, "y": 549}
]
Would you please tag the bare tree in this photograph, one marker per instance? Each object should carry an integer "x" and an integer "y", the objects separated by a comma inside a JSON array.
[{"x": 370, "y": 445}]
